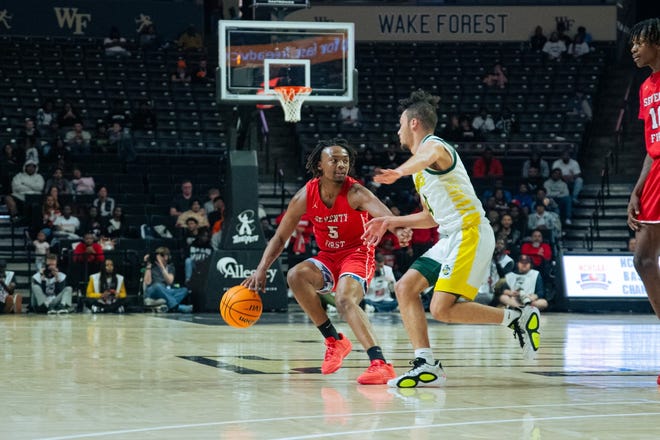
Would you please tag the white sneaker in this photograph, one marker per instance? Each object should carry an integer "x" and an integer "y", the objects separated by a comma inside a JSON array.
[
  {"x": 153, "y": 302},
  {"x": 421, "y": 374},
  {"x": 161, "y": 308},
  {"x": 526, "y": 329}
]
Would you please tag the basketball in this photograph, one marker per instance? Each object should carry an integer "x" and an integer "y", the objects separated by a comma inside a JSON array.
[{"x": 240, "y": 307}]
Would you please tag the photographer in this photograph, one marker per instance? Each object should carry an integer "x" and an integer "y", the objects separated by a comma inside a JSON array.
[
  {"x": 9, "y": 301},
  {"x": 159, "y": 280},
  {"x": 49, "y": 290},
  {"x": 380, "y": 294}
]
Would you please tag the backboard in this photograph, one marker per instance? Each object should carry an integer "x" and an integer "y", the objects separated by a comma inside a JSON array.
[{"x": 255, "y": 56}]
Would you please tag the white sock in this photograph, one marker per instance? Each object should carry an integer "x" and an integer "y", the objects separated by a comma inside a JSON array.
[
  {"x": 426, "y": 354},
  {"x": 510, "y": 315}
]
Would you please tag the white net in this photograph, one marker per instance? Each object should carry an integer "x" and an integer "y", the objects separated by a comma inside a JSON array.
[{"x": 291, "y": 98}]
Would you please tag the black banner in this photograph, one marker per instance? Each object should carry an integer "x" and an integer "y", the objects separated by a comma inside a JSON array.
[{"x": 92, "y": 18}]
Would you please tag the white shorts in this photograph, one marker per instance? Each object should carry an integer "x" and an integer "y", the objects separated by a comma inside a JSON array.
[{"x": 459, "y": 262}]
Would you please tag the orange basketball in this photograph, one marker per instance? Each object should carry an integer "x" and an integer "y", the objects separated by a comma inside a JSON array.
[{"x": 240, "y": 307}]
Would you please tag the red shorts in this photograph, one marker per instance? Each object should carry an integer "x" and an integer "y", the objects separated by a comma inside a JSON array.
[
  {"x": 358, "y": 263},
  {"x": 649, "y": 202}
]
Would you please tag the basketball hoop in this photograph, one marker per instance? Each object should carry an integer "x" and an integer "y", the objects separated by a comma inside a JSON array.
[{"x": 291, "y": 98}]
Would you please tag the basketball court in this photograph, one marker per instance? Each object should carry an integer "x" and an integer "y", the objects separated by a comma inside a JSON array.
[{"x": 144, "y": 376}]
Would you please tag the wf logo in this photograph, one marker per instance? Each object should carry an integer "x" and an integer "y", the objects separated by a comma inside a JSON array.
[
  {"x": 566, "y": 22},
  {"x": 72, "y": 19}
]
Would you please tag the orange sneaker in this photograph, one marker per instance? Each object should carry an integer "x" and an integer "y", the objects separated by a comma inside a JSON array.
[
  {"x": 335, "y": 352},
  {"x": 378, "y": 373}
]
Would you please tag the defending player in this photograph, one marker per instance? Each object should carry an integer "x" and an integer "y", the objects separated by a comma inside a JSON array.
[
  {"x": 338, "y": 207},
  {"x": 458, "y": 263},
  {"x": 644, "y": 206}
]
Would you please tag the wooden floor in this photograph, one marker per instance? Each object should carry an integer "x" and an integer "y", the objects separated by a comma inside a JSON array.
[{"x": 145, "y": 376}]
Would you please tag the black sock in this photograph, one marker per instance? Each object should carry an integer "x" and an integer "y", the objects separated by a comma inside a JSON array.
[
  {"x": 376, "y": 352},
  {"x": 328, "y": 330}
]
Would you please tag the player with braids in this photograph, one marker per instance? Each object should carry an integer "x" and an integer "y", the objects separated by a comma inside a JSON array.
[
  {"x": 458, "y": 263},
  {"x": 644, "y": 206},
  {"x": 338, "y": 208}
]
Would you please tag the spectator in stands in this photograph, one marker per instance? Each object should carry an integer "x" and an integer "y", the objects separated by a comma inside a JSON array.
[
  {"x": 493, "y": 216},
  {"x": 578, "y": 48},
  {"x": 581, "y": 105},
  {"x": 159, "y": 281},
  {"x": 103, "y": 203},
  {"x": 632, "y": 244},
  {"x": 58, "y": 181},
  {"x": 106, "y": 291},
  {"x": 558, "y": 190},
  {"x": 502, "y": 259},
  {"x": 182, "y": 202},
  {"x": 29, "y": 181},
  {"x": 190, "y": 231},
  {"x": 500, "y": 265},
  {"x": 78, "y": 140},
  {"x": 145, "y": 118},
  {"x": 93, "y": 222},
  {"x": 50, "y": 292},
  {"x": 498, "y": 184},
  {"x": 198, "y": 254},
  {"x": 216, "y": 218},
  {"x": 544, "y": 219},
  {"x": 497, "y": 77},
  {"x": 487, "y": 166},
  {"x": 508, "y": 233},
  {"x": 539, "y": 251},
  {"x": 29, "y": 134},
  {"x": 190, "y": 39},
  {"x": 483, "y": 122},
  {"x": 534, "y": 179},
  {"x": 562, "y": 28},
  {"x": 554, "y": 49},
  {"x": 537, "y": 40},
  {"x": 148, "y": 39},
  {"x": 201, "y": 75},
  {"x": 68, "y": 116},
  {"x": 519, "y": 217},
  {"x": 116, "y": 226},
  {"x": 523, "y": 287},
  {"x": 50, "y": 211},
  {"x": 82, "y": 185},
  {"x": 467, "y": 133},
  {"x": 501, "y": 202},
  {"x": 582, "y": 33},
  {"x": 507, "y": 124},
  {"x": 209, "y": 206},
  {"x": 10, "y": 301},
  {"x": 45, "y": 116},
  {"x": 66, "y": 225},
  {"x": 41, "y": 249},
  {"x": 349, "y": 116},
  {"x": 100, "y": 138},
  {"x": 120, "y": 138},
  {"x": 524, "y": 197},
  {"x": 452, "y": 130},
  {"x": 88, "y": 255},
  {"x": 59, "y": 153},
  {"x": 571, "y": 174},
  {"x": 11, "y": 165},
  {"x": 181, "y": 74},
  {"x": 380, "y": 292},
  {"x": 535, "y": 160},
  {"x": 115, "y": 45}
]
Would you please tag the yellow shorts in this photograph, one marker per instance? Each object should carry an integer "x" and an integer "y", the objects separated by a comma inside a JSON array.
[{"x": 460, "y": 261}]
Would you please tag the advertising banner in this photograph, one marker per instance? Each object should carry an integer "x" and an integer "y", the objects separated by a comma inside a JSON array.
[
  {"x": 602, "y": 276},
  {"x": 465, "y": 23}
]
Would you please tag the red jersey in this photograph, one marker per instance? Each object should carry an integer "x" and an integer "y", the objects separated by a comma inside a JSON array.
[
  {"x": 649, "y": 111},
  {"x": 337, "y": 228}
]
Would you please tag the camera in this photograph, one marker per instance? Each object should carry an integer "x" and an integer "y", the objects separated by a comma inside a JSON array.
[
  {"x": 379, "y": 273},
  {"x": 49, "y": 272}
]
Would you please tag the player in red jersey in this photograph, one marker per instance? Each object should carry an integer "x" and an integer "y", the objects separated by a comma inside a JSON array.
[
  {"x": 338, "y": 207},
  {"x": 644, "y": 206}
]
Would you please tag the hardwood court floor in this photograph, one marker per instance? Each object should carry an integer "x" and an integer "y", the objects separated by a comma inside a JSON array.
[{"x": 145, "y": 376}]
